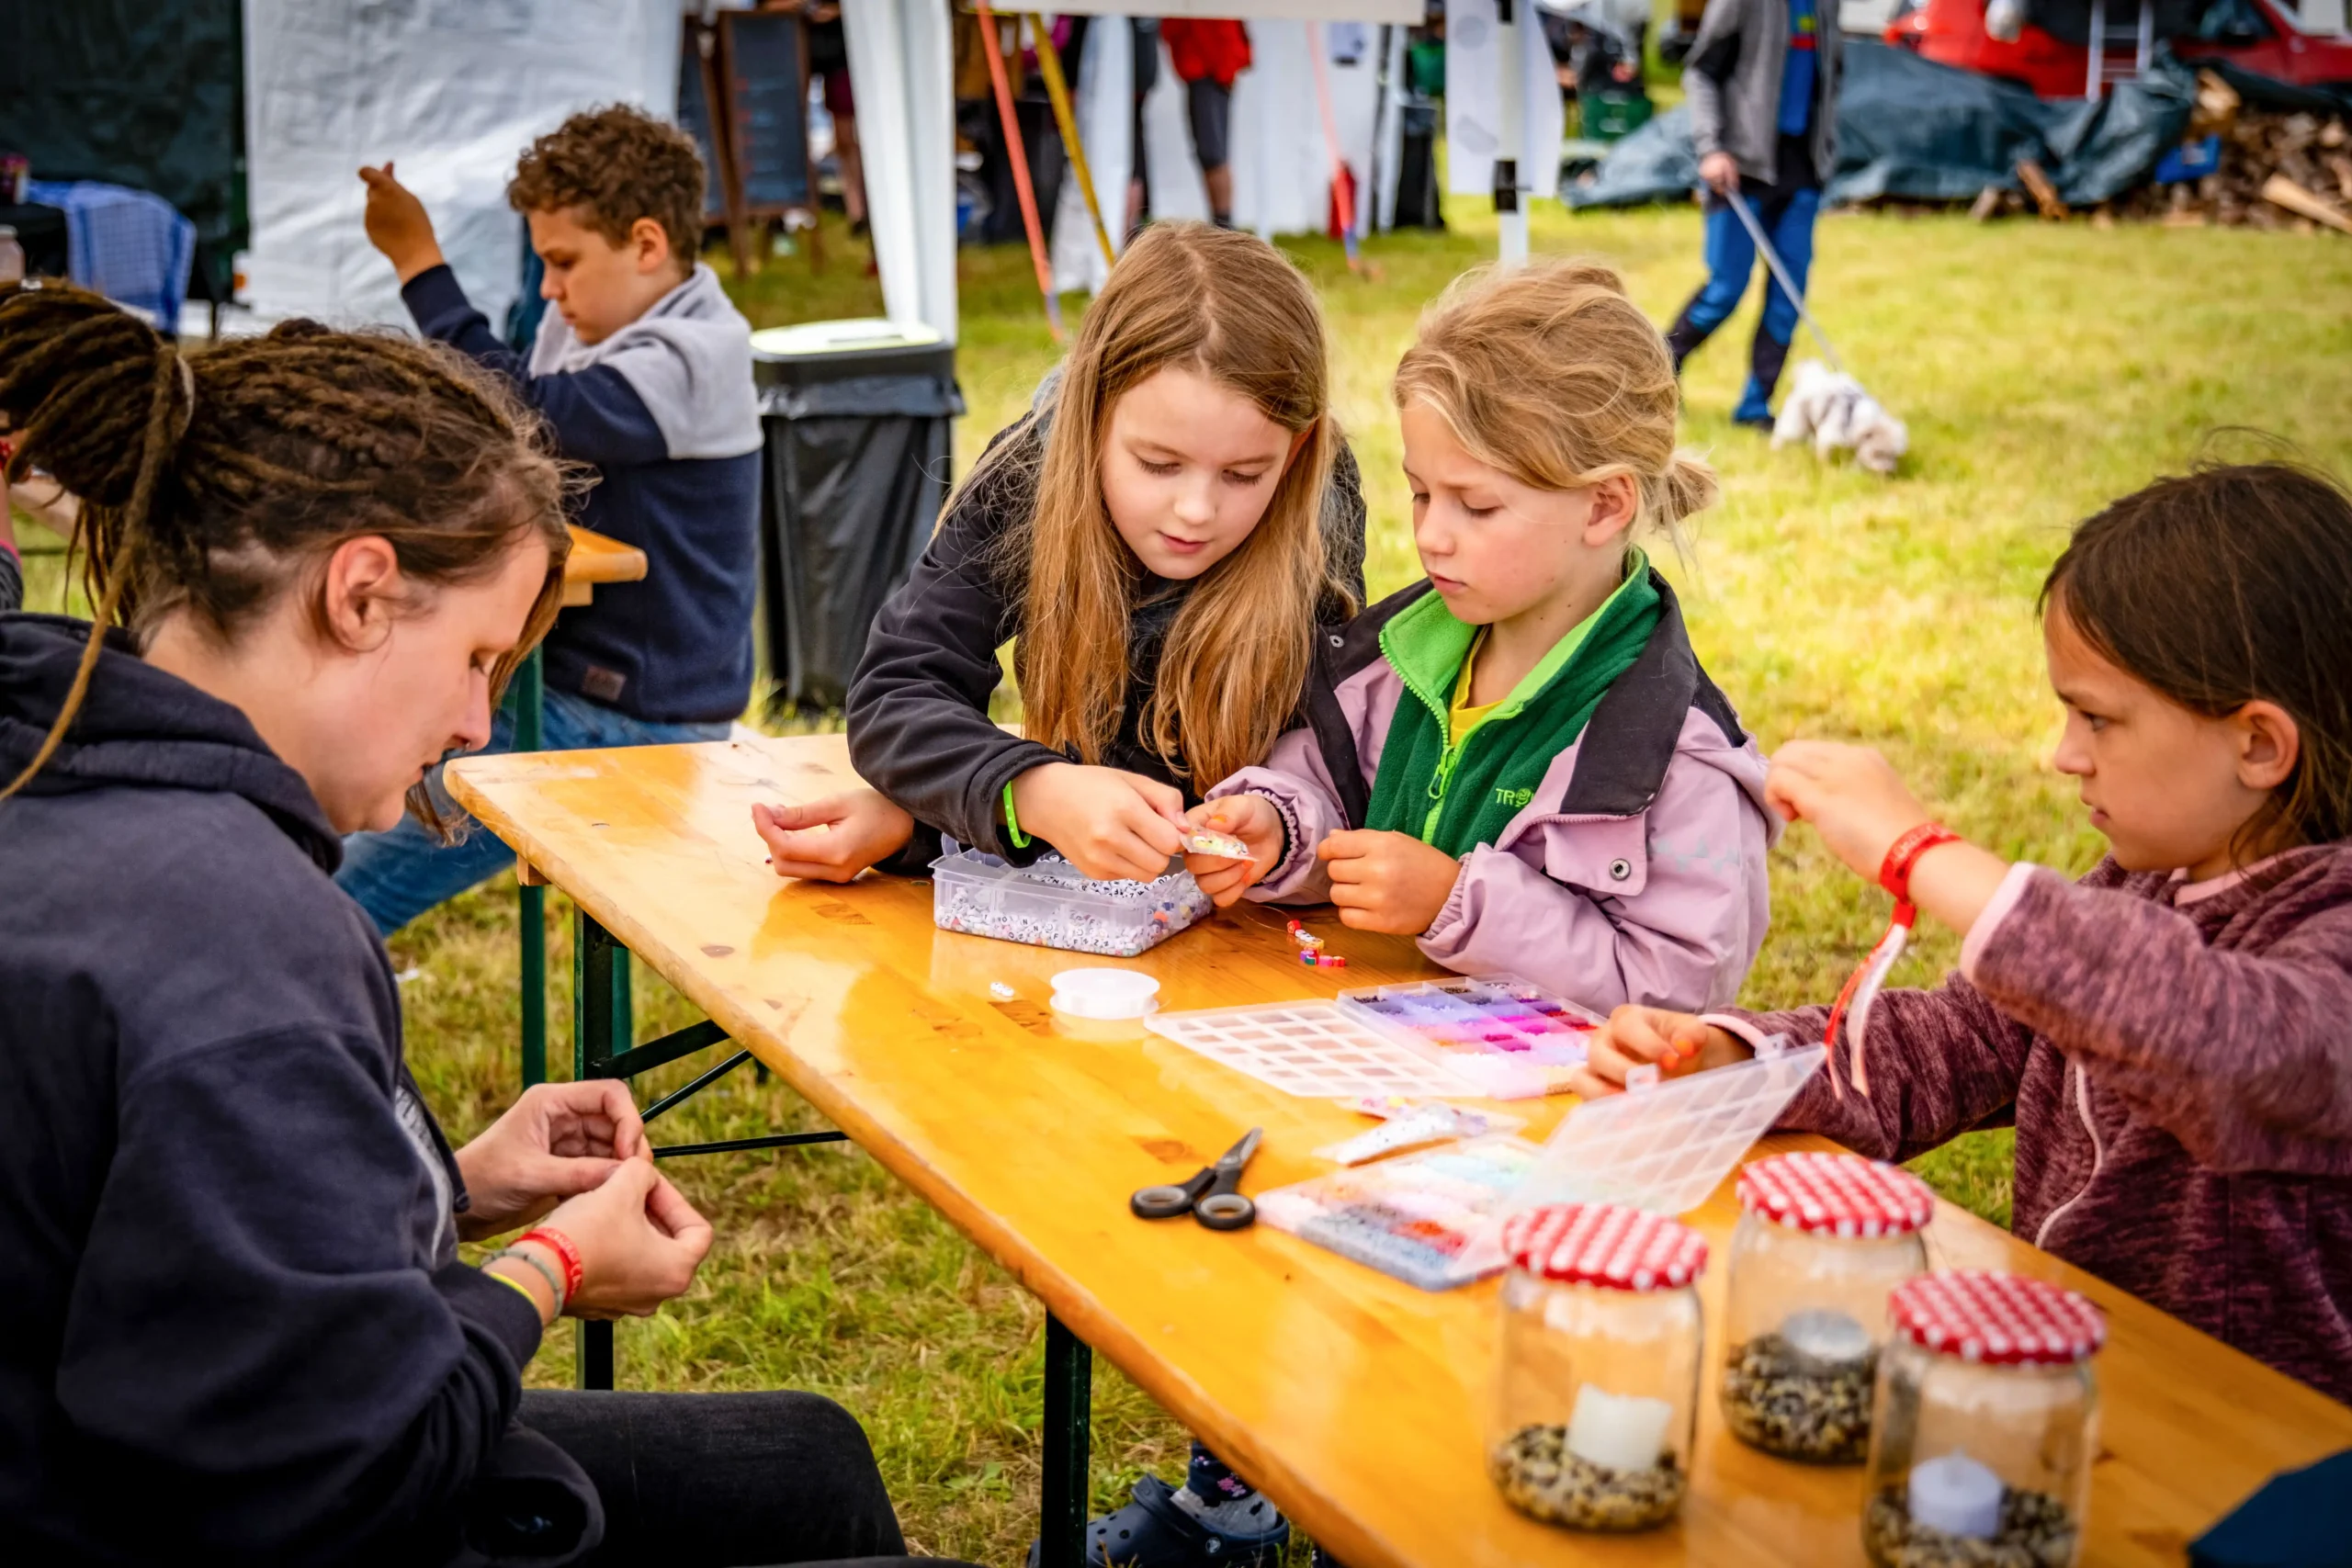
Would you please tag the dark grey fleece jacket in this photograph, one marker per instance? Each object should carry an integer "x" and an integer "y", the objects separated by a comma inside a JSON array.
[{"x": 233, "y": 1326}]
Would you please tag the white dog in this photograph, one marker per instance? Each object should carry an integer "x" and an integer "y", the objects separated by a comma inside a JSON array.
[{"x": 1830, "y": 409}]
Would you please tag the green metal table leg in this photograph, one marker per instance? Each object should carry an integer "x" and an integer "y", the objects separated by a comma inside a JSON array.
[
  {"x": 1070, "y": 1397},
  {"x": 600, "y": 1030},
  {"x": 530, "y": 712}
]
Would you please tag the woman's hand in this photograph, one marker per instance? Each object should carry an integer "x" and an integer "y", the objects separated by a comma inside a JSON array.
[
  {"x": 1387, "y": 881},
  {"x": 557, "y": 1140},
  {"x": 397, "y": 224},
  {"x": 1674, "y": 1043},
  {"x": 640, "y": 1243},
  {"x": 1249, "y": 817},
  {"x": 1112, "y": 824},
  {"x": 1857, "y": 801},
  {"x": 1721, "y": 172},
  {"x": 834, "y": 839}
]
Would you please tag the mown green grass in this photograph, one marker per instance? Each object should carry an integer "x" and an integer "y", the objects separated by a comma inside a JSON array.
[{"x": 2043, "y": 369}]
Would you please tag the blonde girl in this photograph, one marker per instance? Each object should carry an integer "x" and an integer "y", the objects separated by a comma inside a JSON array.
[
  {"x": 1518, "y": 760},
  {"x": 1159, "y": 538}
]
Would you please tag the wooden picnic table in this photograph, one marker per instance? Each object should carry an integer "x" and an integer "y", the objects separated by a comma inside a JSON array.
[{"x": 1356, "y": 1402}]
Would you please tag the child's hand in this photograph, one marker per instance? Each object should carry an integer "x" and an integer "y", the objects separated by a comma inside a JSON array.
[
  {"x": 834, "y": 839},
  {"x": 1249, "y": 817},
  {"x": 1112, "y": 826},
  {"x": 1857, "y": 803},
  {"x": 397, "y": 224},
  {"x": 1387, "y": 881},
  {"x": 1674, "y": 1043}
]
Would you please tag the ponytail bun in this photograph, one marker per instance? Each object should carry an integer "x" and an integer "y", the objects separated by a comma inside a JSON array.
[
  {"x": 1688, "y": 485},
  {"x": 85, "y": 387}
]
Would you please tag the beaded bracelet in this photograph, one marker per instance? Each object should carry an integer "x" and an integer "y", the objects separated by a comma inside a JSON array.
[
  {"x": 555, "y": 1280},
  {"x": 566, "y": 1252}
]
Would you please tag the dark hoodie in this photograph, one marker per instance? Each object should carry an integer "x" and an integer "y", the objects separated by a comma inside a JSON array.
[{"x": 233, "y": 1326}]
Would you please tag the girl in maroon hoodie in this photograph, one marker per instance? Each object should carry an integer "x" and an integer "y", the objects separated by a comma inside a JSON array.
[{"x": 2172, "y": 1034}]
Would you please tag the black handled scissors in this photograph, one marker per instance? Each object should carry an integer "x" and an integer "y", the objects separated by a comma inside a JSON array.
[{"x": 1212, "y": 1196}]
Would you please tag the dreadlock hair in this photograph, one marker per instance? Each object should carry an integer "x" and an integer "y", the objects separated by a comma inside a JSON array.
[{"x": 210, "y": 484}]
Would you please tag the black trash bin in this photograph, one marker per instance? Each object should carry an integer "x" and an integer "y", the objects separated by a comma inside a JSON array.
[{"x": 856, "y": 416}]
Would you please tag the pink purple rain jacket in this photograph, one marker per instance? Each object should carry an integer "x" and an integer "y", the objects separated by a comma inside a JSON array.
[{"x": 1634, "y": 872}]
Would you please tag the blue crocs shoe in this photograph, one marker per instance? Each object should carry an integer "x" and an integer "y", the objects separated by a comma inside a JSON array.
[{"x": 1154, "y": 1531}]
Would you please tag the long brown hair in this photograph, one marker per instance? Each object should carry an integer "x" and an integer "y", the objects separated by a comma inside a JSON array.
[
  {"x": 2226, "y": 585},
  {"x": 1551, "y": 374},
  {"x": 1229, "y": 307},
  {"x": 210, "y": 483}
]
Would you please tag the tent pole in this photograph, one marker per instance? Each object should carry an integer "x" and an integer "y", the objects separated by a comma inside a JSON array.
[
  {"x": 1049, "y": 66},
  {"x": 1510, "y": 63},
  {"x": 1342, "y": 177},
  {"x": 1017, "y": 155}
]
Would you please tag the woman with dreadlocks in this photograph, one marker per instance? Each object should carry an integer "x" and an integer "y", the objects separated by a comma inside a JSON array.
[{"x": 229, "y": 1221}]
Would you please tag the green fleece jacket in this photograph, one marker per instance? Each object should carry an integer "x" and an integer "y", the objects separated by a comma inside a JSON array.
[{"x": 1459, "y": 795}]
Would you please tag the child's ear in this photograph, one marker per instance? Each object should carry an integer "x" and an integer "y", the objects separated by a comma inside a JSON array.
[
  {"x": 2268, "y": 744},
  {"x": 650, "y": 242},
  {"x": 1616, "y": 502}
]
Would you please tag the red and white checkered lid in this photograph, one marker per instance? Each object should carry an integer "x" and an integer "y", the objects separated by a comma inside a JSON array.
[
  {"x": 1602, "y": 1244},
  {"x": 1842, "y": 1195},
  {"x": 2004, "y": 1319}
]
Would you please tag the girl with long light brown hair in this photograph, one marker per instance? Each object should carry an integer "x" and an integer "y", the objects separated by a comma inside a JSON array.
[{"x": 1159, "y": 539}]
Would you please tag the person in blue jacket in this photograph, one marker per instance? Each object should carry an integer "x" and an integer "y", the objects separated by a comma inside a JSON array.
[
  {"x": 643, "y": 371},
  {"x": 1761, "y": 82},
  {"x": 236, "y": 1327}
]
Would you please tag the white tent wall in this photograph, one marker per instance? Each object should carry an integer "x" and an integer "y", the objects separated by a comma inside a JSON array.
[
  {"x": 1281, "y": 158},
  {"x": 452, "y": 90},
  {"x": 901, "y": 62},
  {"x": 1102, "y": 94}
]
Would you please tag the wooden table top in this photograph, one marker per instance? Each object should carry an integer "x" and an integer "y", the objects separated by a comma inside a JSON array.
[
  {"x": 598, "y": 559},
  {"x": 1357, "y": 1402}
]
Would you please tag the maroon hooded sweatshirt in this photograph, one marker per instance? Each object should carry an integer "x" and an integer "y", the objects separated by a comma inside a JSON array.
[{"x": 2177, "y": 1061}]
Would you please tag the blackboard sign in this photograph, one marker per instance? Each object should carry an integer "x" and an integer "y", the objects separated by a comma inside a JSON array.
[{"x": 760, "y": 65}]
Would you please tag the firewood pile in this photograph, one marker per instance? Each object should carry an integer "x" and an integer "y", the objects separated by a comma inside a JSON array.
[{"x": 2277, "y": 171}]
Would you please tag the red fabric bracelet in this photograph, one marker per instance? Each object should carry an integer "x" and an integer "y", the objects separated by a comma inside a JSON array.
[
  {"x": 1894, "y": 871},
  {"x": 566, "y": 1253}
]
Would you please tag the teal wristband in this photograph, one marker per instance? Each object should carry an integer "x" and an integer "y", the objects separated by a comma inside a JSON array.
[{"x": 1013, "y": 832}]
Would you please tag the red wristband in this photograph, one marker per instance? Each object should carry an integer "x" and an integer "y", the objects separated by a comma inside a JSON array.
[
  {"x": 566, "y": 1253},
  {"x": 1894, "y": 871}
]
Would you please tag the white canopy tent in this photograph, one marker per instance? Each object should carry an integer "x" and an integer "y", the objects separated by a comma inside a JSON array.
[
  {"x": 899, "y": 56},
  {"x": 452, "y": 90}
]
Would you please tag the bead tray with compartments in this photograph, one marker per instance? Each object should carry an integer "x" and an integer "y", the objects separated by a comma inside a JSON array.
[
  {"x": 1664, "y": 1147},
  {"x": 1432, "y": 1219},
  {"x": 1311, "y": 1049},
  {"x": 1507, "y": 1036}
]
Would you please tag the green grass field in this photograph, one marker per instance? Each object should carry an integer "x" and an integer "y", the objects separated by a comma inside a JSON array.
[{"x": 2043, "y": 370}]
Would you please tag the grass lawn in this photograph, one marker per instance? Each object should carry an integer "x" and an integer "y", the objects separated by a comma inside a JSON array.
[{"x": 2042, "y": 369}]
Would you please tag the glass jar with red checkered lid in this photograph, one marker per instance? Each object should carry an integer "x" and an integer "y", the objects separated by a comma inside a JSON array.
[
  {"x": 1822, "y": 1239},
  {"x": 1987, "y": 1423},
  {"x": 1597, "y": 1388}
]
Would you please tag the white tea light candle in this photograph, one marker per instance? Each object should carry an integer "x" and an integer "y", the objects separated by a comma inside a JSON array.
[
  {"x": 1827, "y": 1337},
  {"x": 1954, "y": 1493},
  {"x": 1617, "y": 1432}
]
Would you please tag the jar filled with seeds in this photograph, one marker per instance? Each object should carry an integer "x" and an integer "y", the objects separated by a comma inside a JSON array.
[
  {"x": 1822, "y": 1239},
  {"x": 1598, "y": 1384},
  {"x": 1986, "y": 1424}
]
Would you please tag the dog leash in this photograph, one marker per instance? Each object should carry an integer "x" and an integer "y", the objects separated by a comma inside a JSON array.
[{"x": 1780, "y": 276}]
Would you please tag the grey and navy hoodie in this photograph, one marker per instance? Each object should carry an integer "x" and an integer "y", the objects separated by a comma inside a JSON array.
[
  {"x": 233, "y": 1326},
  {"x": 665, "y": 411}
]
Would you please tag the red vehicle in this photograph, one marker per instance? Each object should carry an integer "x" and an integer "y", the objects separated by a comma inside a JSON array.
[{"x": 2013, "y": 39}]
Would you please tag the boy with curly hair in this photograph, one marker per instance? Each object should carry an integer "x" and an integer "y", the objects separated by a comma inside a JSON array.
[{"x": 643, "y": 369}]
